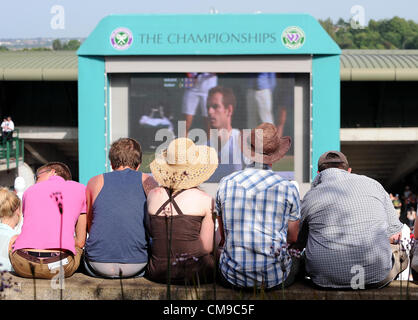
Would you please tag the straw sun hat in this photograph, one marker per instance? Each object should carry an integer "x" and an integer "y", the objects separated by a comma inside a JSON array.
[{"x": 184, "y": 165}]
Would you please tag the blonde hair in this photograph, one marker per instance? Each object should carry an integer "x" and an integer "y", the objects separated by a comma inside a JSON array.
[{"x": 9, "y": 203}]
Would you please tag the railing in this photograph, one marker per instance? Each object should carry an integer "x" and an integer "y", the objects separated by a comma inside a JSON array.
[{"x": 12, "y": 149}]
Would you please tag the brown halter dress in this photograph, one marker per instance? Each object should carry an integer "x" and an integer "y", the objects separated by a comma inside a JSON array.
[{"x": 189, "y": 263}]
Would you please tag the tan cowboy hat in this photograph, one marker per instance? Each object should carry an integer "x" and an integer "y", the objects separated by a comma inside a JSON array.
[
  {"x": 184, "y": 165},
  {"x": 264, "y": 145}
]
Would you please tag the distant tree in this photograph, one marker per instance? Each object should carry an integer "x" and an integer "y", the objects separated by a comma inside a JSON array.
[
  {"x": 37, "y": 49},
  {"x": 393, "y": 37},
  {"x": 395, "y": 33},
  {"x": 4, "y": 48},
  {"x": 56, "y": 45},
  {"x": 341, "y": 24},
  {"x": 373, "y": 25},
  {"x": 72, "y": 45},
  {"x": 387, "y": 45},
  {"x": 412, "y": 43},
  {"x": 329, "y": 27}
]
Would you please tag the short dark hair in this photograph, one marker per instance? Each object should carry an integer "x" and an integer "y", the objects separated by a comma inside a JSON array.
[
  {"x": 125, "y": 152},
  {"x": 228, "y": 97},
  {"x": 329, "y": 164},
  {"x": 60, "y": 168}
]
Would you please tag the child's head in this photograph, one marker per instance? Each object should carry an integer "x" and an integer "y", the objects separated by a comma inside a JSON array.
[{"x": 9, "y": 205}]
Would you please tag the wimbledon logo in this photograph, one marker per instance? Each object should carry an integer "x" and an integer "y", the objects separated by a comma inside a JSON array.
[
  {"x": 293, "y": 37},
  {"x": 121, "y": 38}
]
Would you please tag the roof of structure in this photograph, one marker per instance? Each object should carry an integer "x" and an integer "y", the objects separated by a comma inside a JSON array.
[
  {"x": 356, "y": 65},
  {"x": 38, "y": 66}
]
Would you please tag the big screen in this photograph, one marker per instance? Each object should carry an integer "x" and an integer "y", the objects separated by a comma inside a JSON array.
[{"x": 163, "y": 106}]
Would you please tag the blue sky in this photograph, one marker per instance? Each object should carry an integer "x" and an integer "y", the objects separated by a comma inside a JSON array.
[{"x": 32, "y": 18}]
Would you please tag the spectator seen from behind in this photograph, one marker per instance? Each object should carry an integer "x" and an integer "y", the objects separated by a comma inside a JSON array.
[
  {"x": 180, "y": 209},
  {"x": 116, "y": 210},
  {"x": 258, "y": 214},
  {"x": 10, "y": 215},
  {"x": 54, "y": 231},
  {"x": 349, "y": 228}
]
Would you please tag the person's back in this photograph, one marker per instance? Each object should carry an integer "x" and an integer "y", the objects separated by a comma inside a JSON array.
[
  {"x": 181, "y": 215},
  {"x": 55, "y": 224},
  {"x": 258, "y": 214},
  {"x": 347, "y": 223},
  {"x": 348, "y": 227},
  {"x": 117, "y": 233},
  {"x": 116, "y": 210},
  {"x": 256, "y": 207},
  {"x": 191, "y": 235},
  {"x": 201, "y": 201},
  {"x": 43, "y": 220}
]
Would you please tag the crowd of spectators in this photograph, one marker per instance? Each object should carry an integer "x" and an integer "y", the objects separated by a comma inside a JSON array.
[
  {"x": 345, "y": 232},
  {"x": 406, "y": 205}
]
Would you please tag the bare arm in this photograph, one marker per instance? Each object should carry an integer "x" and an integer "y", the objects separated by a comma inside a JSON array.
[
  {"x": 89, "y": 201},
  {"x": 416, "y": 229},
  {"x": 149, "y": 183},
  {"x": 395, "y": 237},
  {"x": 302, "y": 235},
  {"x": 207, "y": 230},
  {"x": 292, "y": 231},
  {"x": 221, "y": 231},
  {"x": 12, "y": 242},
  {"x": 94, "y": 186},
  {"x": 81, "y": 231}
]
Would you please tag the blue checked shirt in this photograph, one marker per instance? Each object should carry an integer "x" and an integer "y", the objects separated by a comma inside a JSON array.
[{"x": 255, "y": 206}]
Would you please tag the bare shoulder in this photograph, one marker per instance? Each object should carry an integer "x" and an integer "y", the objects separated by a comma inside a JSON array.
[
  {"x": 156, "y": 192},
  {"x": 95, "y": 181},
  {"x": 95, "y": 184},
  {"x": 201, "y": 195}
]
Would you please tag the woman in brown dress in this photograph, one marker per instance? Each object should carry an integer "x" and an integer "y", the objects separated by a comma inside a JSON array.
[{"x": 180, "y": 215}]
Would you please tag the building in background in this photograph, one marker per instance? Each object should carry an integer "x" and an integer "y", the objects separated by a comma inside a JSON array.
[{"x": 379, "y": 111}]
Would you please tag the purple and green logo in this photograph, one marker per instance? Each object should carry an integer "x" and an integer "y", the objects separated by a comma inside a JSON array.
[
  {"x": 293, "y": 37},
  {"x": 121, "y": 38}
]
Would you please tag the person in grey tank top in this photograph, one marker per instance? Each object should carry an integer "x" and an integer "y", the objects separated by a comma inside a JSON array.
[{"x": 116, "y": 211}]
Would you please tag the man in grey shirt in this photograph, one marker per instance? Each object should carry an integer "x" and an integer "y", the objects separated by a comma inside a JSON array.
[{"x": 349, "y": 228}]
